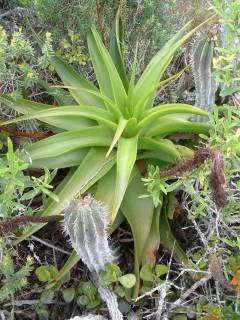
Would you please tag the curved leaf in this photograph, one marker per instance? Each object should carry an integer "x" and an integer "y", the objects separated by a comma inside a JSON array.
[
  {"x": 167, "y": 109},
  {"x": 62, "y": 143},
  {"x": 107, "y": 75},
  {"x": 70, "y": 159},
  {"x": 74, "y": 79},
  {"x": 64, "y": 112},
  {"x": 121, "y": 126},
  {"x": 26, "y": 106},
  {"x": 139, "y": 214},
  {"x": 165, "y": 126},
  {"x": 116, "y": 49},
  {"x": 167, "y": 150}
]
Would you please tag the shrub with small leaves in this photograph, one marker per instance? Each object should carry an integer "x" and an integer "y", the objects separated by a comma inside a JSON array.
[
  {"x": 17, "y": 62},
  {"x": 17, "y": 189},
  {"x": 12, "y": 280}
]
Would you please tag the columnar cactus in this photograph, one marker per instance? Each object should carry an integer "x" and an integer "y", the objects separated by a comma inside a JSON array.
[
  {"x": 202, "y": 70},
  {"x": 111, "y": 300},
  {"x": 85, "y": 221}
]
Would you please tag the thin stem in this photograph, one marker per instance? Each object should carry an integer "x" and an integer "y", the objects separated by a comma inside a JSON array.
[
  {"x": 18, "y": 133},
  {"x": 217, "y": 179},
  {"x": 22, "y": 221},
  {"x": 49, "y": 245}
]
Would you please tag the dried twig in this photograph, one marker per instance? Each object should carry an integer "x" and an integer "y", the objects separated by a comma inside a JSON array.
[
  {"x": 22, "y": 221},
  {"x": 188, "y": 292},
  {"x": 217, "y": 272},
  {"x": 183, "y": 136},
  {"x": 47, "y": 244},
  {"x": 18, "y": 133},
  {"x": 217, "y": 175}
]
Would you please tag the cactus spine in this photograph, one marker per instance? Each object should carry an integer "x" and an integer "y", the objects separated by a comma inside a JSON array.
[
  {"x": 202, "y": 71},
  {"x": 85, "y": 221}
]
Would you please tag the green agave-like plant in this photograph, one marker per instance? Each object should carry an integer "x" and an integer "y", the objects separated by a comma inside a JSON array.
[{"x": 102, "y": 134}]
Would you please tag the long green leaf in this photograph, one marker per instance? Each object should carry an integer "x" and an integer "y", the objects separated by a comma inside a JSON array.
[
  {"x": 142, "y": 102},
  {"x": 165, "y": 147},
  {"x": 63, "y": 97},
  {"x": 94, "y": 166},
  {"x": 126, "y": 157},
  {"x": 74, "y": 79},
  {"x": 70, "y": 159},
  {"x": 62, "y": 143},
  {"x": 116, "y": 49},
  {"x": 110, "y": 105},
  {"x": 139, "y": 214},
  {"x": 64, "y": 112},
  {"x": 107, "y": 75},
  {"x": 165, "y": 126},
  {"x": 121, "y": 126},
  {"x": 132, "y": 81},
  {"x": 153, "y": 241},
  {"x": 156, "y": 68},
  {"x": 26, "y": 106},
  {"x": 166, "y": 109}
]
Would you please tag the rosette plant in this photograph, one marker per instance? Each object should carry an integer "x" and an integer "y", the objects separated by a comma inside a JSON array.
[{"x": 106, "y": 129}]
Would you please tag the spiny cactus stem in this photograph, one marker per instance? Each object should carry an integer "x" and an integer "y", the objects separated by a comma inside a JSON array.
[
  {"x": 86, "y": 223},
  {"x": 110, "y": 299}
]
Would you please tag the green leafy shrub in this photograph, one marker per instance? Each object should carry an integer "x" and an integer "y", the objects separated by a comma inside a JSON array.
[
  {"x": 16, "y": 187},
  {"x": 12, "y": 280},
  {"x": 16, "y": 61},
  {"x": 226, "y": 65}
]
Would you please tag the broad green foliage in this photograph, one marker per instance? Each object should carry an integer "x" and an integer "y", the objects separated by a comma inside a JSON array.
[{"x": 107, "y": 131}]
